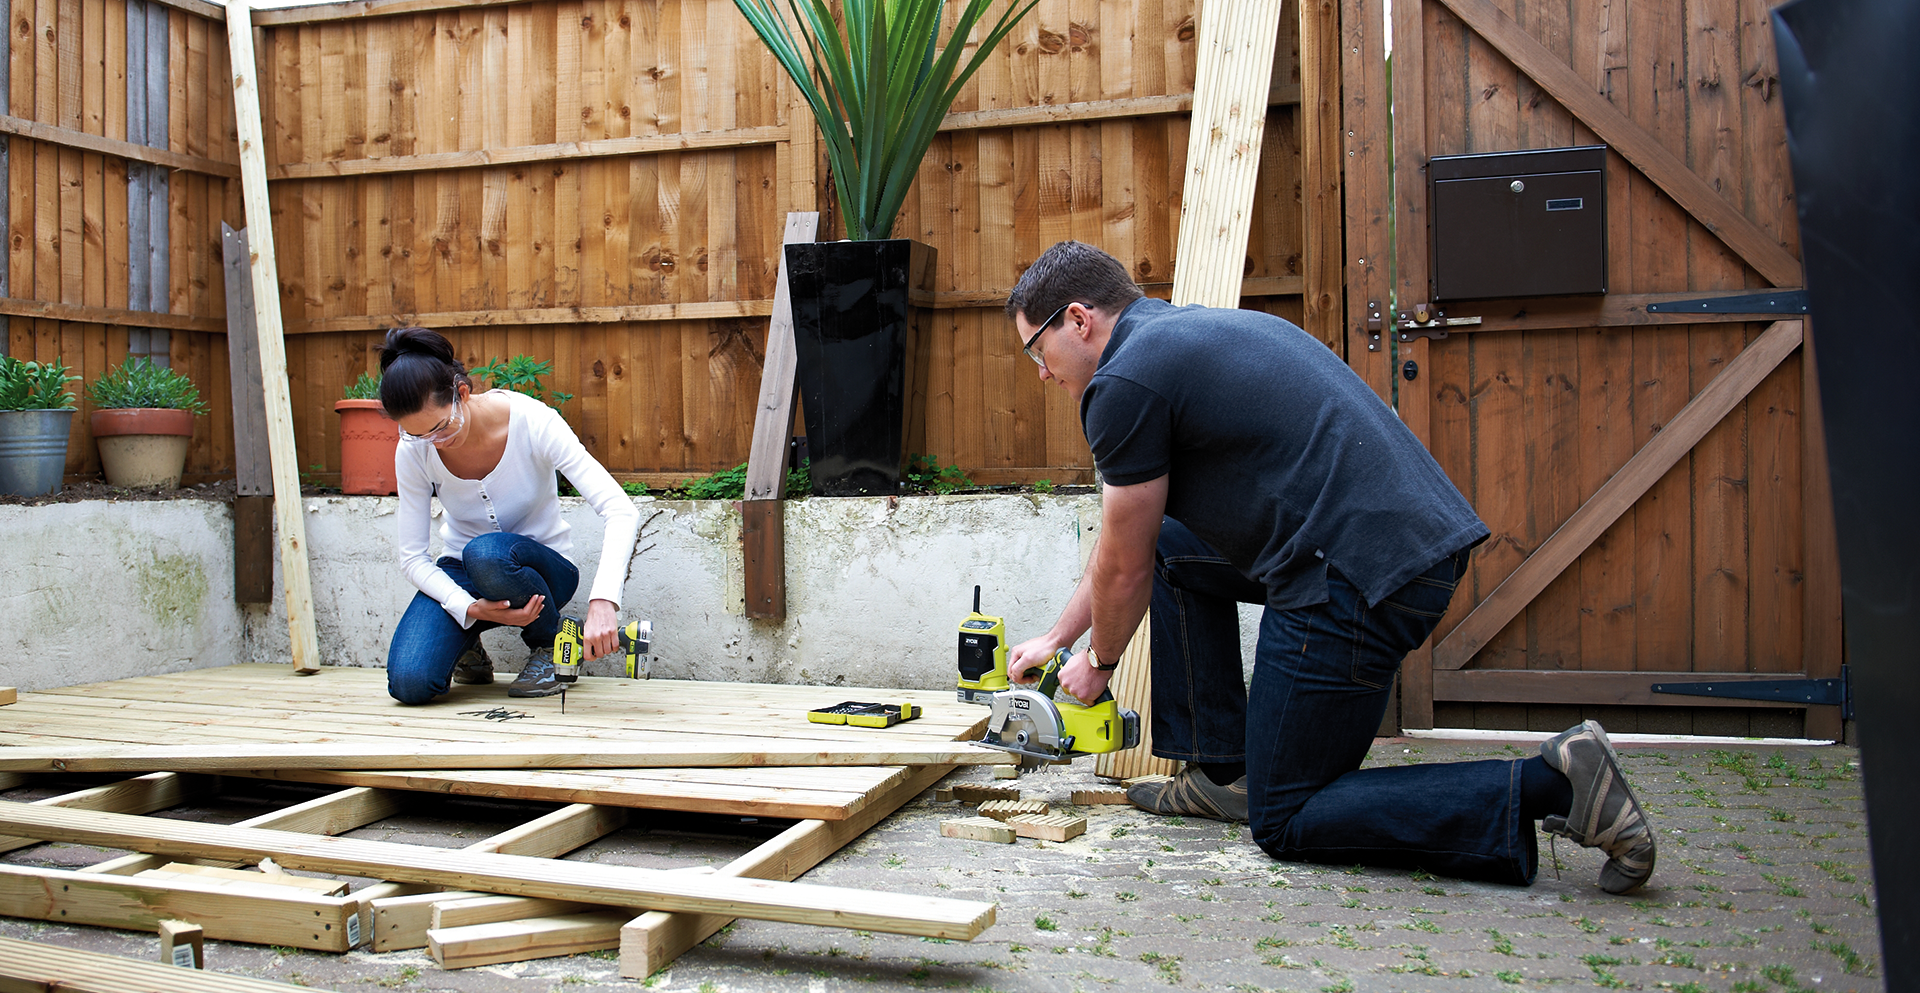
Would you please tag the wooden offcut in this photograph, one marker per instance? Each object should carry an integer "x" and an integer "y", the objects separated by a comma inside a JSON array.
[
  {"x": 1099, "y": 797},
  {"x": 773, "y": 415},
  {"x": 296, "y": 578},
  {"x": 519, "y": 940},
  {"x": 977, "y": 829},
  {"x": 974, "y": 793},
  {"x": 1000, "y": 810},
  {"x": 512, "y": 874},
  {"x": 1048, "y": 827},
  {"x": 183, "y": 944}
]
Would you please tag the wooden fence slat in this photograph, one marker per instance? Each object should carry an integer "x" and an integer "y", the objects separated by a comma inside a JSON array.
[{"x": 1678, "y": 437}]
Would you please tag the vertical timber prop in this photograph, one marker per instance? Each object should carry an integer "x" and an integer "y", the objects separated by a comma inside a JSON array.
[
  {"x": 252, "y": 459},
  {"x": 295, "y": 576},
  {"x": 1234, "y": 72},
  {"x": 762, "y": 530}
]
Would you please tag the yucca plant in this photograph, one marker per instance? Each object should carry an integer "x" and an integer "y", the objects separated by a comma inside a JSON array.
[{"x": 878, "y": 89}]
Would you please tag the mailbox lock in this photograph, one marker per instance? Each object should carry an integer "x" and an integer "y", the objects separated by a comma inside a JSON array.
[{"x": 1517, "y": 186}]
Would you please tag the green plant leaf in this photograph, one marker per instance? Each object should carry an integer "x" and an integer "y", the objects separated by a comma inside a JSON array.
[
  {"x": 367, "y": 387},
  {"x": 137, "y": 382},
  {"x": 34, "y": 385},
  {"x": 879, "y": 89}
]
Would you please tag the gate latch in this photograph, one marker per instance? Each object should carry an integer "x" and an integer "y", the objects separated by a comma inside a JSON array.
[{"x": 1425, "y": 321}]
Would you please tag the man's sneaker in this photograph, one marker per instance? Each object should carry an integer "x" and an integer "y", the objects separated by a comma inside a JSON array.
[
  {"x": 1192, "y": 794},
  {"x": 1605, "y": 813},
  {"x": 536, "y": 679},
  {"x": 474, "y": 668}
]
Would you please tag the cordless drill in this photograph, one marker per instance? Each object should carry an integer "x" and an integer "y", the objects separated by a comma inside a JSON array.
[{"x": 569, "y": 648}]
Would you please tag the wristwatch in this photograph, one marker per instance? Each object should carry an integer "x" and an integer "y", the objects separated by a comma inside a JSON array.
[{"x": 1093, "y": 659}]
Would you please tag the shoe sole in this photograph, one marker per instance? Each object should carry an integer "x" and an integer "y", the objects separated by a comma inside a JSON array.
[{"x": 524, "y": 694}]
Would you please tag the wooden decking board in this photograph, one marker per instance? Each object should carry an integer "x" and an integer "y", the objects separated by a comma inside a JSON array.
[
  {"x": 342, "y": 704},
  {"x": 484, "y": 755}
]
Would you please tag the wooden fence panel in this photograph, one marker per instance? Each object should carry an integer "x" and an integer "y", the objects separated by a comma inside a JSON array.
[
  {"x": 638, "y": 157},
  {"x": 85, "y": 249}
]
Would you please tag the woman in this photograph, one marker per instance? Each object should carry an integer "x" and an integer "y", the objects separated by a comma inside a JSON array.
[{"x": 490, "y": 458}]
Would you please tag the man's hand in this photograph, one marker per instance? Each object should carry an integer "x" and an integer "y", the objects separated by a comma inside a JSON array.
[
  {"x": 602, "y": 628},
  {"x": 1081, "y": 679},
  {"x": 1026, "y": 658},
  {"x": 502, "y": 612}
]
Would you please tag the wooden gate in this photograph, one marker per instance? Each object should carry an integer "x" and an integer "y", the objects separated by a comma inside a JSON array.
[{"x": 1641, "y": 472}]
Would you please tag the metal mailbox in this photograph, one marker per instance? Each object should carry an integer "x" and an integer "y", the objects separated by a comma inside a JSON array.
[{"x": 1517, "y": 224}]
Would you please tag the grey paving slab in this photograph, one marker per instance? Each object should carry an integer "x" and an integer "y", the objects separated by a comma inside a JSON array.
[{"x": 1763, "y": 886}]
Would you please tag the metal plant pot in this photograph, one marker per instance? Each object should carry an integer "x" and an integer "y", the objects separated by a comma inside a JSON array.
[
  {"x": 33, "y": 450},
  {"x": 859, "y": 364}
]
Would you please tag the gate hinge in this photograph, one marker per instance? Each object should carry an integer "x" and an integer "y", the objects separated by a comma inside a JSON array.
[
  {"x": 1836, "y": 692},
  {"x": 1776, "y": 302},
  {"x": 1424, "y": 321},
  {"x": 1373, "y": 325}
]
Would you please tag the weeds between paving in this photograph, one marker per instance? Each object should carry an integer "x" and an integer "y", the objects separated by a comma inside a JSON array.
[{"x": 1763, "y": 886}]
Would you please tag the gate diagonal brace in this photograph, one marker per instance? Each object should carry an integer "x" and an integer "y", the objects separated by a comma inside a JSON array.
[{"x": 1812, "y": 692}]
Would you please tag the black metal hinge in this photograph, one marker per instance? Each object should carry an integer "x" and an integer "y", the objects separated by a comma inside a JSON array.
[
  {"x": 1777, "y": 302},
  {"x": 1811, "y": 692}
]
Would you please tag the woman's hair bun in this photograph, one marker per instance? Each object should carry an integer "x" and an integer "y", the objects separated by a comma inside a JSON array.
[{"x": 417, "y": 368}]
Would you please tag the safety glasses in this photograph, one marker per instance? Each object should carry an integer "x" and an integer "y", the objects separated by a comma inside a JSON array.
[
  {"x": 456, "y": 419},
  {"x": 1028, "y": 347}
]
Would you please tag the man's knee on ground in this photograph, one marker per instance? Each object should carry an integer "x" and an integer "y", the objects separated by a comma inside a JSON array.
[{"x": 409, "y": 691}]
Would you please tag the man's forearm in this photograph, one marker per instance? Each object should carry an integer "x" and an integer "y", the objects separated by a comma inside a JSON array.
[{"x": 1120, "y": 597}]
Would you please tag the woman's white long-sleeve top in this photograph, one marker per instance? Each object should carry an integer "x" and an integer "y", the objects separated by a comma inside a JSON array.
[{"x": 519, "y": 496}]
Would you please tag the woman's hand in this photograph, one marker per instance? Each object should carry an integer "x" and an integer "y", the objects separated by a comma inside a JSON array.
[
  {"x": 502, "y": 612},
  {"x": 603, "y": 628}
]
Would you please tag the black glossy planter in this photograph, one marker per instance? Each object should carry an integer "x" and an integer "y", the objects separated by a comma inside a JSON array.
[{"x": 859, "y": 359}]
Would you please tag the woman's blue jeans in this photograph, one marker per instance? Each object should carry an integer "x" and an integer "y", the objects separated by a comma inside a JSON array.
[
  {"x": 498, "y": 566},
  {"x": 1322, "y": 678}
]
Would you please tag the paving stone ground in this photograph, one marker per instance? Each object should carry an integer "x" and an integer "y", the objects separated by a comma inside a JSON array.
[{"x": 1763, "y": 886}]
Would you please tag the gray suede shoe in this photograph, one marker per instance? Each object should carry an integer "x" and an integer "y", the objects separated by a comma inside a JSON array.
[
  {"x": 536, "y": 679},
  {"x": 1192, "y": 794},
  {"x": 1605, "y": 813},
  {"x": 474, "y": 667}
]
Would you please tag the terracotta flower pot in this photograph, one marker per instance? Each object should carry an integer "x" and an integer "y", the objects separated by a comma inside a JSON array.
[
  {"x": 142, "y": 446},
  {"x": 367, "y": 441}
]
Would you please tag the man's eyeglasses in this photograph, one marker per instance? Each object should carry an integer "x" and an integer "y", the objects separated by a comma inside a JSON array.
[
  {"x": 1028, "y": 347},
  {"x": 456, "y": 419}
]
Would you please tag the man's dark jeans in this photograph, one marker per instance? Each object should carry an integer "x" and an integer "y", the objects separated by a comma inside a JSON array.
[{"x": 1322, "y": 677}]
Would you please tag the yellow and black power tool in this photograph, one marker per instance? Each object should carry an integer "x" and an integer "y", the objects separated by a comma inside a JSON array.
[
  {"x": 1046, "y": 724},
  {"x": 569, "y": 648},
  {"x": 983, "y": 655}
]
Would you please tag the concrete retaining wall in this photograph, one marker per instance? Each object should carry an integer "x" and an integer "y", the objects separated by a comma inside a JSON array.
[
  {"x": 105, "y": 590},
  {"x": 875, "y": 587}
]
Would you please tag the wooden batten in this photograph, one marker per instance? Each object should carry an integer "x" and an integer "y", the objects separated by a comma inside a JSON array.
[
  {"x": 289, "y": 509},
  {"x": 27, "y": 965},
  {"x": 657, "y": 754},
  {"x": 516, "y": 875}
]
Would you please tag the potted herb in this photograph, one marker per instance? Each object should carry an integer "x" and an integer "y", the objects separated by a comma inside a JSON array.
[
  {"x": 878, "y": 90},
  {"x": 367, "y": 440},
  {"x": 143, "y": 423},
  {"x": 36, "y": 418}
]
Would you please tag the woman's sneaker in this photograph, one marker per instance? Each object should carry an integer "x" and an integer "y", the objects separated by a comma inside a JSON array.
[
  {"x": 474, "y": 667},
  {"x": 1605, "y": 813},
  {"x": 1192, "y": 794},
  {"x": 536, "y": 679}
]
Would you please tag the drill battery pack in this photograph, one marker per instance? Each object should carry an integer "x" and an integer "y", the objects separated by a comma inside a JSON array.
[{"x": 865, "y": 715}]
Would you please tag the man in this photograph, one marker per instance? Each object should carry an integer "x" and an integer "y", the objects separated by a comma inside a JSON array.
[{"x": 1243, "y": 462}]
